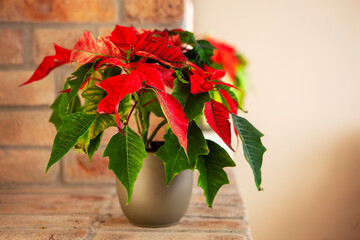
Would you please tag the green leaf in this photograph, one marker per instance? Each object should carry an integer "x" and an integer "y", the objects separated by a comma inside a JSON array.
[
  {"x": 102, "y": 122},
  {"x": 83, "y": 143},
  {"x": 212, "y": 176},
  {"x": 110, "y": 72},
  {"x": 173, "y": 155},
  {"x": 193, "y": 104},
  {"x": 205, "y": 50},
  {"x": 201, "y": 53},
  {"x": 74, "y": 127},
  {"x": 180, "y": 75},
  {"x": 76, "y": 105},
  {"x": 94, "y": 145},
  {"x": 126, "y": 156},
  {"x": 63, "y": 106},
  {"x": 92, "y": 95},
  {"x": 55, "y": 116},
  {"x": 81, "y": 74},
  {"x": 241, "y": 81},
  {"x": 149, "y": 102},
  {"x": 187, "y": 37},
  {"x": 124, "y": 106},
  {"x": 252, "y": 146}
]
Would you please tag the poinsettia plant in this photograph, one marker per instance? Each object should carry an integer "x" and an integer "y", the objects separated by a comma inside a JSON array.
[{"x": 131, "y": 74}]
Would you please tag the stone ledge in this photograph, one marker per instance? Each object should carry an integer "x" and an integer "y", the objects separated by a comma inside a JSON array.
[{"x": 93, "y": 212}]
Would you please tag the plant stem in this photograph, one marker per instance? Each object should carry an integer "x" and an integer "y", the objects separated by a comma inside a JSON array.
[
  {"x": 72, "y": 104},
  {"x": 155, "y": 132},
  {"x": 137, "y": 122},
  {"x": 127, "y": 121}
]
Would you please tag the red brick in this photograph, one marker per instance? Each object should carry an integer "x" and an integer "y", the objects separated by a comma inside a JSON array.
[
  {"x": 77, "y": 168},
  {"x": 44, "y": 39},
  {"x": 11, "y": 47},
  {"x": 26, "y": 166},
  {"x": 58, "y": 11},
  {"x": 39, "y": 93},
  {"x": 105, "y": 31},
  {"x": 154, "y": 11},
  {"x": 40, "y": 234},
  {"x": 29, "y": 128},
  {"x": 122, "y": 235}
]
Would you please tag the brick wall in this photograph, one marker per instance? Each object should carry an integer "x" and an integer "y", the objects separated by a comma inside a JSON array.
[{"x": 27, "y": 30}]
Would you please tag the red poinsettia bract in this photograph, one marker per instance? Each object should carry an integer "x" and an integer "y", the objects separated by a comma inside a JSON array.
[
  {"x": 49, "y": 63},
  {"x": 203, "y": 80},
  {"x": 226, "y": 55},
  {"x": 217, "y": 117}
]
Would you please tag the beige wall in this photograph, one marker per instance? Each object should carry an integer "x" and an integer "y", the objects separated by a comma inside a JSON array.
[{"x": 304, "y": 95}]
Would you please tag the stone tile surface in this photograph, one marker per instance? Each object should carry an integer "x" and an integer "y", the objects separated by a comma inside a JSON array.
[{"x": 92, "y": 212}]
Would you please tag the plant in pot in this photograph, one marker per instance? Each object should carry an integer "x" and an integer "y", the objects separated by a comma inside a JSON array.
[{"x": 131, "y": 75}]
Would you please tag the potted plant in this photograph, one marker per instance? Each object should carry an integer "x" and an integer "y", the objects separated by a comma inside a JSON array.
[{"x": 131, "y": 74}]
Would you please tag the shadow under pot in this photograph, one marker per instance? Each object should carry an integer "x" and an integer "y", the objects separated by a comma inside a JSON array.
[{"x": 153, "y": 203}]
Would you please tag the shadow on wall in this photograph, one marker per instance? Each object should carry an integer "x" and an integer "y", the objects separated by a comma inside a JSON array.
[{"x": 333, "y": 206}]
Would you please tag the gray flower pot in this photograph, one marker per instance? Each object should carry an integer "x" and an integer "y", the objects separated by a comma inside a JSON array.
[{"x": 153, "y": 204}]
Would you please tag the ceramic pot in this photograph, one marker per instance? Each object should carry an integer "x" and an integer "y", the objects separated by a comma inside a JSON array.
[{"x": 153, "y": 204}]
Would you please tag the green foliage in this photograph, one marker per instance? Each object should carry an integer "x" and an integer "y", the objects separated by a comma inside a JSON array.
[
  {"x": 193, "y": 104},
  {"x": 241, "y": 81},
  {"x": 110, "y": 72},
  {"x": 102, "y": 122},
  {"x": 81, "y": 74},
  {"x": 92, "y": 95},
  {"x": 252, "y": 146},
  {"x": 212, "y": 176},
  {"x": 126, "y": 156},
  {"x": 124, "y": 106},
  {"x": 201, "y": 53},
  {"x": 180, "y": 75},
  {"x": 149, "y": 102},
  {"x": 202, "y": 50},
  {"x": 173, "y": 155},
  {"x": 74, "y": 127},
  {"x": 187, "y": 37},
  {"x": 62, "y": 107},
  {"x": 94, "y": 145},
  {"x": 82, "y": 144},
  {"x": 55, "y": 116}
]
